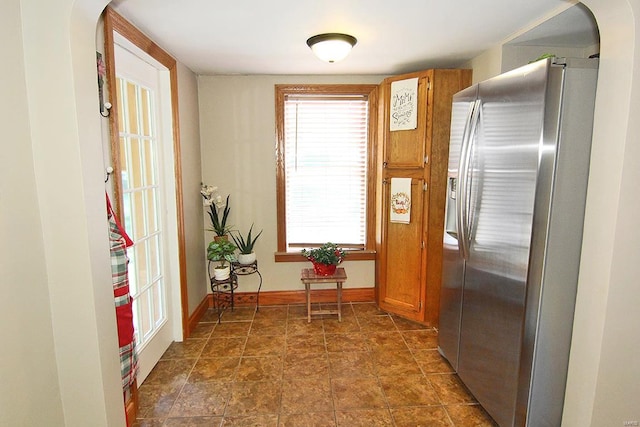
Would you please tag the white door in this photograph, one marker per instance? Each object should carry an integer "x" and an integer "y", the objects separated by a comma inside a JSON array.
[{"x": 146, "y": 159}]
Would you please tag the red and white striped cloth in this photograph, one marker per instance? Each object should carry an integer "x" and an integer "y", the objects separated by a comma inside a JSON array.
[{"x": 119, "y": 240}]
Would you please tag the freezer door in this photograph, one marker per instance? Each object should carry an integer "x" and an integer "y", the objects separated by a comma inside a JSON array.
[
  {"x": 556, "y": 242},
  {"x": 502, "y": 172},
  {"x": 453, "y": 264}
]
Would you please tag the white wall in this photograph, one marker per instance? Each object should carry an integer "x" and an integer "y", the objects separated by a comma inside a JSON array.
[{"x": 237, "y": 127}]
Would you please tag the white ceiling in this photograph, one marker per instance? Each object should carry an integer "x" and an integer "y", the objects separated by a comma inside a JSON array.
[{"x": 269, "y": 37}]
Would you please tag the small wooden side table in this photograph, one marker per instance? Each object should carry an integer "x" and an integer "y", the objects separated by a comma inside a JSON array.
[{"x": 309, "y": 277}]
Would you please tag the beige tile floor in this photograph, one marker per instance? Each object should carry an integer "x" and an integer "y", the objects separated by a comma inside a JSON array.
[{"x": 273, "y": 368}]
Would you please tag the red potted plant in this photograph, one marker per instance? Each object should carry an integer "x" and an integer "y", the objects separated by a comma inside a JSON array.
[{"x": 325, "y": 259}]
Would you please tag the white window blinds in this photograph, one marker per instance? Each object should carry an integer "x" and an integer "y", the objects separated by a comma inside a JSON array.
[{"x": 326, "y": 169}]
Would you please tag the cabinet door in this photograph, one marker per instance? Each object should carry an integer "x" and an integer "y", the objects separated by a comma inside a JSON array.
[
  {"x": 401, "y": 284},
  {"x": 405, "y": 149},
  {"x": 409, "y": 266}
]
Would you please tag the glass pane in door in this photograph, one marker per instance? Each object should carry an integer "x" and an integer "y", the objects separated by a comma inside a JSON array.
[{"x": 141, "y": 189}]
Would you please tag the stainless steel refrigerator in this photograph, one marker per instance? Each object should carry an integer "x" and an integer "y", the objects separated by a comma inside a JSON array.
[{"x": 517, "y": 179}]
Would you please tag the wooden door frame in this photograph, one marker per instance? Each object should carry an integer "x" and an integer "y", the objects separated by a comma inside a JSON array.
[{"x": 114, "y": 22}]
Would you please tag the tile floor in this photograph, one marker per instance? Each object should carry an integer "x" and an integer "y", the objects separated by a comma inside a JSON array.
[{"x": 273, "y": 368}]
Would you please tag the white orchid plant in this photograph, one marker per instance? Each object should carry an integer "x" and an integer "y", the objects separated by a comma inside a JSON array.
[{"x": 213, "y": 201}]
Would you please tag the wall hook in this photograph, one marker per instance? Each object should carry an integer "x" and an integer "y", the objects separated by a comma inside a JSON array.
[
  {"x": 108, "y": 171},
  {"x": 107, "y": 110}
]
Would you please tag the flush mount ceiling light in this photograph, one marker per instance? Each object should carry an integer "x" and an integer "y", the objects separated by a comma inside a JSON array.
[{"x": 331, "y": 47}]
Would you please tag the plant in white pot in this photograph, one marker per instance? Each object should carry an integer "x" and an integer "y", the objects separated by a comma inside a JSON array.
[
  {"x": 223, "y": 252},
  {"x": 245, "y": 246}
]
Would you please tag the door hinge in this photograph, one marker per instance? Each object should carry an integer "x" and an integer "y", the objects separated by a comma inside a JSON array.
[
  {"x": 425, "y": 187},
  {"x": 422, "y": 244},
  {"x": 426, "y": 160},
  {"x": 428, "y": 84},
  {"x": 419, "y": 305}
]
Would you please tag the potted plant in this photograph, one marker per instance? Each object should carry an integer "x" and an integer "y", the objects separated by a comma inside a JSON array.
[
  {"x": 325, "y": 259},
  {"x": 223, "y": 252},
  {"x": 245, "y": 246},
  {"x": 213, "y": 201}
]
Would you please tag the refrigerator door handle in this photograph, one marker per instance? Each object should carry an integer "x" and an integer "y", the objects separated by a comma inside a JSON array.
[{"x": 463, "y": 188}]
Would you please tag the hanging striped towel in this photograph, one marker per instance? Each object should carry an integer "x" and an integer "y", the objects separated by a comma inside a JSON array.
[
  {"x": 123, "y": 305},
  {"x": 401, "y": 200}
]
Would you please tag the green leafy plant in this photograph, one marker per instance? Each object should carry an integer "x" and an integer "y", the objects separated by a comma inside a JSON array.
[
  {"x": 222, "y": 251},
  {"x": 220, "y": 225},
  {"x": 329, "y": 253},
  {"x": 213, "y": 201},
  {"x": 245, "y": 245}
]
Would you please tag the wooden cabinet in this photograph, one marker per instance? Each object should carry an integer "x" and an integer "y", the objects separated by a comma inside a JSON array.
[{"x": 409, "y": 265}]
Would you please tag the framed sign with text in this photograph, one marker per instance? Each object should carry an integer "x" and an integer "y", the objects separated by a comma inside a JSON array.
[{"x": 403, "y": 113}]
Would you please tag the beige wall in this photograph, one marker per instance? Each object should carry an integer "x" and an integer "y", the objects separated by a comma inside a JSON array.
[
  {"x": 237, "y": 127},
  {"x": 502, "y": 58},
  {"x": 55, "y": 258},
  {"x": 517, "y": 56},
  {"x": 604, "y": 375},
  {"x": 29, "y": 391},
  {"x": 71, "y": 253},
  {"x": 191, "y": 177},
  {"x": 486, "y": 65}
]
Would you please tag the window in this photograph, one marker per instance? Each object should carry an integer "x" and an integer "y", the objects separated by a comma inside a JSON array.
[{"x": 324, "y": 164}]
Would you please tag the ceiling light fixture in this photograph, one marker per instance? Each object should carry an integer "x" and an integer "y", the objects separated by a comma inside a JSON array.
[{"x": 331, "y": 47}]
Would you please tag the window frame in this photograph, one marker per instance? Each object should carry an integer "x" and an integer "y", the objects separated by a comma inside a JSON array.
[{"x": 371, "y": 92}]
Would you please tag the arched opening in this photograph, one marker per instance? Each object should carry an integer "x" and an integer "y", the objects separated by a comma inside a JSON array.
[{"x": 606, "y": 317}]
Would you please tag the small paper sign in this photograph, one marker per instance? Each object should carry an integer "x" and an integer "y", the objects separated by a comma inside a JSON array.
[
  {"x": 401, "y": 200},
  {"x": 404, "y": 105}
]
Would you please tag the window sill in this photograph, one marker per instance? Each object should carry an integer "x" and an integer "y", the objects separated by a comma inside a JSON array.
[{"x": 351, "y": 256}]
